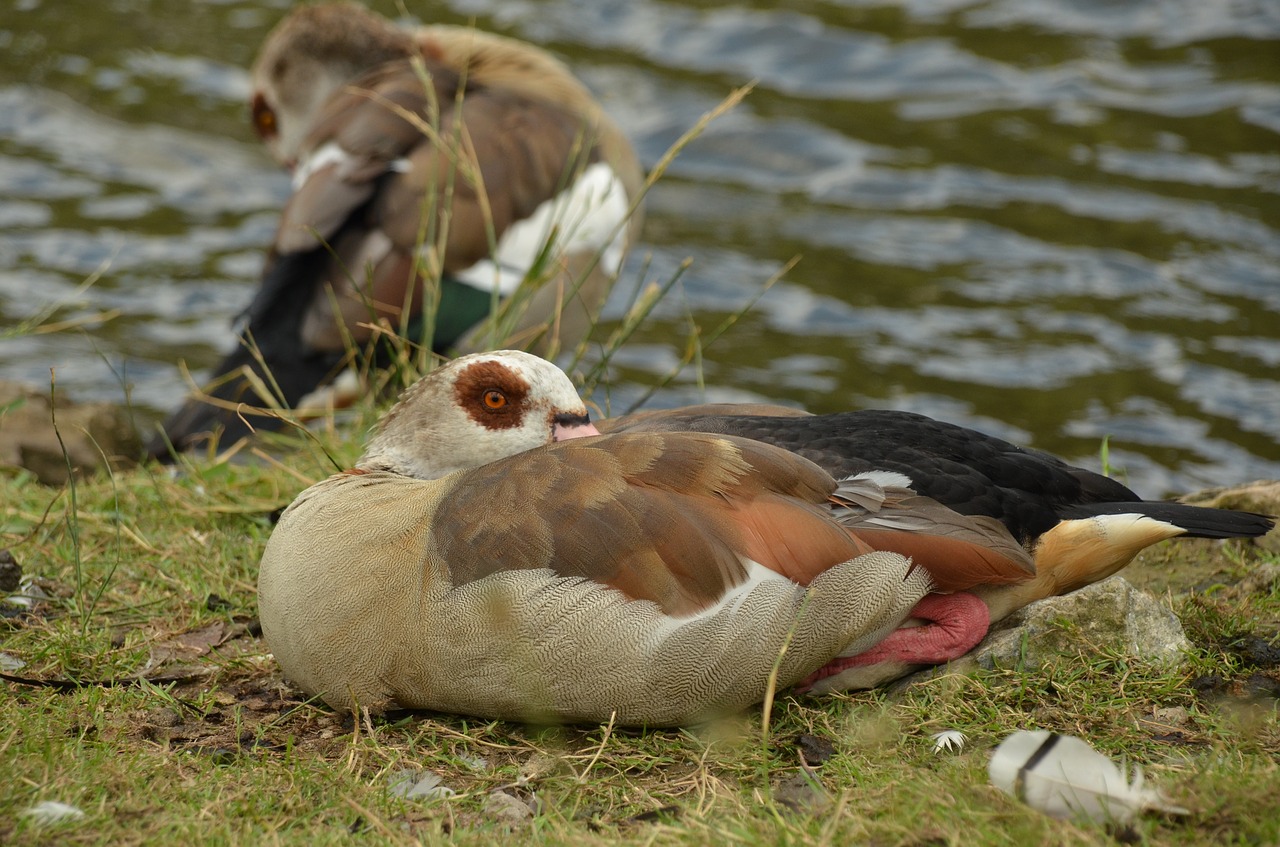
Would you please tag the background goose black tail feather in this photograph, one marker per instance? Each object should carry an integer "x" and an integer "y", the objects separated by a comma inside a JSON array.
[{"x": 274, "y": 325}]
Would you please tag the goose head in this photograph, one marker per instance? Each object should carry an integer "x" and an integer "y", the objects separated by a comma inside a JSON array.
[
  {"x": 475, "y": 410},
  {"x": 305, "y": 59}
]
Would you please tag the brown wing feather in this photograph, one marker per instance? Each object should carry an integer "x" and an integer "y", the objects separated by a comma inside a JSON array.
[
  {"x": 960, "y": 551},
  {"x": 795, "y": 538},
  {"x": 317, "y": 209},
  {"x": 494, "y": 61},
  {"x": 362, "y": 119},
  {"x": 517, "y": 152},
  {"x": 367, "y": 116},
  {"x": 955, "y": 564},
  {"x": 671, "y": 517},
  {"x": 571, "y": 511},
  {"x": 658, "y": 517},
  {"x": 521, "y": 152}
]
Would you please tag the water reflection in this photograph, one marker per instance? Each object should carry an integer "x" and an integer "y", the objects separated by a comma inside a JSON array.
[{"x": 1052, "y": 220}]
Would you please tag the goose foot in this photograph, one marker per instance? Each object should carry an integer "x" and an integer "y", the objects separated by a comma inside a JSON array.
[{"x": 942, "y": 627}]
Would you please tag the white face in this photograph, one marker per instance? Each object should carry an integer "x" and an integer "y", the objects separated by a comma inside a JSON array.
[
  {"x": 284, "y": 109},
  {"x": 475, "y": 410}
]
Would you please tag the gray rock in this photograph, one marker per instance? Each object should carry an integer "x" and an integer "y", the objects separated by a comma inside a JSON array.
[
  {"x": 507, "y": 808},
  {"x": 802, "y": 792},
  {"x": 1106, "y": 615},
  {"x": 92, "y": 434}
]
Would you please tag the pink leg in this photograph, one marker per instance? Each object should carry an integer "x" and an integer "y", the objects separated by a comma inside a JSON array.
[{"x": 954, "y": 624}]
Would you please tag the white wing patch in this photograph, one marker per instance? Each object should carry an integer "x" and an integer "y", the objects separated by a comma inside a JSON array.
[
  {"x": 886, "y": 479},
  {"x": 588, "y": 217},
  {"x": 329, "y": 153}
]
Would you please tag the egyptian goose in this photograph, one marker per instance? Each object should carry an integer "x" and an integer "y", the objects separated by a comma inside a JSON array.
[
  {"x": 1078, "y": 526},
  {"x": 493, "y": 136},
  {"x": 481, "y": 559}
]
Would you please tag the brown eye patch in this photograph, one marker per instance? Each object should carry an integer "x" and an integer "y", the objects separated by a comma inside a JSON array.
[{"x": 492, "y": 394}]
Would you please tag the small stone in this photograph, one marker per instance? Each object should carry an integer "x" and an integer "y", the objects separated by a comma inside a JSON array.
[
  {"x": 10, "y": 572},
  {"x": 30, "y": 594},
  {"x": 1261, "y": 496},
  {"x": 815, "y": 750},
  {"x": 507, "y": 808},
  {"x": 85, "y": 432},
  {"x": 1206, "y": 685},
  {"x": 216, "y": 603},
  {"x": 1171, "y": 716},
  {"x": 802, "y": 792},
  {"x": 539, "y": 765},
  {"x": 1105, "y": 614},
  {"x": 165, "y": 717}
]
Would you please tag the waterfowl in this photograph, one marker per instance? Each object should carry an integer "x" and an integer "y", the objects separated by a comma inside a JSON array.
[
  {"x": 441, "y": 150},
  {"x": 483, "y": 559},
  {"x": 1077, "y": 526}
]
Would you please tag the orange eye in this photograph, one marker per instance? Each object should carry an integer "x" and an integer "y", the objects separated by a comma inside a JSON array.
[
  {"x": 264, "y": 118},
  {"x": 494, "y": 399}
]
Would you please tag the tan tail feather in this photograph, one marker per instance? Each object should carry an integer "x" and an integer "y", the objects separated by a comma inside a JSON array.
[{"x": 1077, "y": 553}]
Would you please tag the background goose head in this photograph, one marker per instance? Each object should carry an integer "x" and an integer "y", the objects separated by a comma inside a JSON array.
[
  {"x": 306, "y": 58},
  {"x": 475, "y": 410}
]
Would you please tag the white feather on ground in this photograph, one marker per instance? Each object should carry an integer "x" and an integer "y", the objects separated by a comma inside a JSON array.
[
  {"x": 948, "y": 741},
  {"x": 1064, "y": 777},
  {"x": 50, "y": 812}
]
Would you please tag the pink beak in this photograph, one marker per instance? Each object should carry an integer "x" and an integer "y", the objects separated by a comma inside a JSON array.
[{"x": 564, "y": 432}]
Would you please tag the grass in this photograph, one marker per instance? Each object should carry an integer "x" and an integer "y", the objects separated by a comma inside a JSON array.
[{"x": 173, "y": 722}]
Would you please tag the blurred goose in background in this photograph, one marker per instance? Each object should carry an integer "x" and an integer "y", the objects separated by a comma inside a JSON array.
[
  {"x": 437, "y": 151},
  {"x": 484, "y": 558},
  {"x": 1077, "y": 526}
]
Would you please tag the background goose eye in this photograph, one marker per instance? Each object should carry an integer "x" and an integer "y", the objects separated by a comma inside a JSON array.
[
  {"x": 494, "y": 399},
  {"x": 264, "y": 118}
]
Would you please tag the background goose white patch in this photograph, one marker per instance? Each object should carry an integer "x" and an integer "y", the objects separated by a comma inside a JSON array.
[
  {"x": 330, "y": 153},
  {"x": 587, "y": 217}
]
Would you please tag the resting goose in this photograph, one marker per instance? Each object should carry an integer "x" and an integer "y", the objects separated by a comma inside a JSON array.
[
  {"x": 381, "y": 125},
  {"x": 1078, "y": 526},
  {"x": 491, "y": 555}
]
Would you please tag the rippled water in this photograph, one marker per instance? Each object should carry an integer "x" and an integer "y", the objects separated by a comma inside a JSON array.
[{"x": 1050, "y": 219}]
